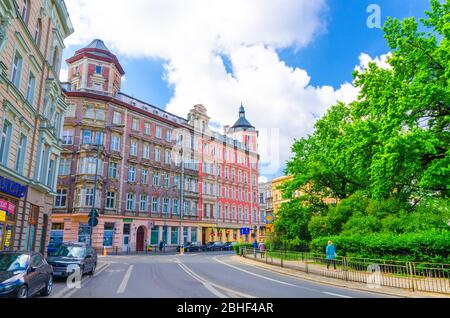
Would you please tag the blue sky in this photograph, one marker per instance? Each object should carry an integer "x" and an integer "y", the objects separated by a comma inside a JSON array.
[{"x": 329, "y": 58}]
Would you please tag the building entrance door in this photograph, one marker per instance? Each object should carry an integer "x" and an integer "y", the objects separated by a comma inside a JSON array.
[
  {"x": 126, "y": 240},
  {"x": 140, "y": 239}
]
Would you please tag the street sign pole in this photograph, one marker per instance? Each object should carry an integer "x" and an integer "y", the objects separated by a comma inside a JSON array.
[{"x": 93, "y": 210}]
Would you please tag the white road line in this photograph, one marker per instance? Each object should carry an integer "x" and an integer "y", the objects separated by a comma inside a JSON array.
[
  {"x": 254, "y": 274},
  {"x": 67, "y": 292},
  {"x": 212, "y": 287},
  {"x": 125, "y": 280},
  {"x": 337, "y": 295}
]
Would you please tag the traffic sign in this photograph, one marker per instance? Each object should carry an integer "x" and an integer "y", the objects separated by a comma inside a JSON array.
[{"x": 245, "y": 231}]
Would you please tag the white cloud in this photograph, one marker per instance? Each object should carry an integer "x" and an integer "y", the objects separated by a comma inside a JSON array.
[
  {"x": 381, "y": 61},
  {"x": 193, "y": 35},
  {"x": 263, "y": 179},
  {"x": 63, "y": 74}
]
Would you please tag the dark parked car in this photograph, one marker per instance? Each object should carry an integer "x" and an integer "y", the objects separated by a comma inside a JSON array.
[
  {"x": 69, "y": 257},
  {"x": 24, "y": 274},
  {"x": 190, "y": 247},
  {"x": 229, "y": 246},
  {"x": 215, "y": 246}
]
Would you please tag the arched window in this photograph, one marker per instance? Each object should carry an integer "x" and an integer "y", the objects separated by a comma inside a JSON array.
[
  {"x": 38, "y": 32},
  {"x": 25, "y": 10}
]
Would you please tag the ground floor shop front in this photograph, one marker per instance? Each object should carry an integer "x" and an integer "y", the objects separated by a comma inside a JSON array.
[
  {"x": 24, "y": 215},
  {"x": 122, "y": 234}
]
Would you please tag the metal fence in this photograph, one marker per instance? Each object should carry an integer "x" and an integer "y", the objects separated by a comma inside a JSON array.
[{"x": 413, "y": 276}]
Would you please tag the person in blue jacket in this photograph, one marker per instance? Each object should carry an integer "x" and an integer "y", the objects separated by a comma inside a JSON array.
[{"x": 331, "y": 254}]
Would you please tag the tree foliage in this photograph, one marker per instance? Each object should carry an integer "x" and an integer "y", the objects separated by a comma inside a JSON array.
[{"x": 386, "y": 155}]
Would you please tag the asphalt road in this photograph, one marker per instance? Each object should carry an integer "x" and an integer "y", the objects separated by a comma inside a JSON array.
[{"x": 201, "y": 275}]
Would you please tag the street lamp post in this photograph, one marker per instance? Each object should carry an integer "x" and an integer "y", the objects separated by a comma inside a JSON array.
[{"x": 93, "y": 210}]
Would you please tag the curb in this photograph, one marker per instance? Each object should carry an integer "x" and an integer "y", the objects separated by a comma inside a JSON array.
[{"x": 314, "y": 278}]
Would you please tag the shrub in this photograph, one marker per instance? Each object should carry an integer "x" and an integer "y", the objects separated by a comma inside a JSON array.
[
  {"x": 236, "y": 247},
  {"x": 430, "y": 247}
]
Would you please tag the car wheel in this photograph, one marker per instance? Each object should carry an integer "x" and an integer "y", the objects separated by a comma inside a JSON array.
[
  {"x": 48, "y": 287},
  {"x": 23, "y": 292},
  {"x": 93, "y": 269}
]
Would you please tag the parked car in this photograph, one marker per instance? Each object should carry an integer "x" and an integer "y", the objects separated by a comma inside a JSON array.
[
  {"x": 69, "y": 257},
  {"x": 185, "y": 245},
  {"x": 215, "y": 246},
  {"x": 195, "y": 247},
  {"x": 229, "y": 246},
  {"x": 24, "y": 275}
]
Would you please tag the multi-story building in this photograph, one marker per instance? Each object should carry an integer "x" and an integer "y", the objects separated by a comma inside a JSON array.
[
  {"x": 266, "y": 206},
  {"x": 141, "y": 166},
  {"x": 31, "y": 111}
]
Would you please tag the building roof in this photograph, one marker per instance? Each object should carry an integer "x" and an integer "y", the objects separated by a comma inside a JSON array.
[
  {"x": 97, "y": 50},
  {"x": 242, "y": 122},
  {"x": 98, "y": 44}
]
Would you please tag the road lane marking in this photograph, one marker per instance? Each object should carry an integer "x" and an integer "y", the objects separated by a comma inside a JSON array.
[
  {"x": 337, "y": 295},
  {"x": 125, "y": 280},
  {"x": 212, "y": 287},
  {"x": 254, "y": 274},
  {"x": 68, "y": 292}
]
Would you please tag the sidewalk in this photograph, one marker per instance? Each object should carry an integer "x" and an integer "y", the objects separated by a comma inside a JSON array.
[{"x": 398, "y": 292}]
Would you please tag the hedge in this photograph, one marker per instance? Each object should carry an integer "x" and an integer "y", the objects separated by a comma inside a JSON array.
[
  {"x": 426, "y": 247},
  {"x": 236, "y": 247}
]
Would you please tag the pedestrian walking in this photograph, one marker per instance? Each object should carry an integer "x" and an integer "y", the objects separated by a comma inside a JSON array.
[
  {"x": 330, "y": 251},
  {"x": 161, "y": 245},
  {"x": 262, "y": 249}
]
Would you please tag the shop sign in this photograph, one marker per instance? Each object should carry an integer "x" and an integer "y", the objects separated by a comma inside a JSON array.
[
  {"x": 127, "y": 220},
  {"x": 8, "y": 237},
  {"x": 7, "y": 206},
  {"x": 2, "y": 216},
  {"x": 12, "y": 188}
]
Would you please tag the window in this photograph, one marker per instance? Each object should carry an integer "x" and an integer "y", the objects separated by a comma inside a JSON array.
[
  {"x": 61, "y": 198},
  {"x": 144, "y": 178},
  {"x": 130, "y": 201},
  {"x": 88, "y": 165},
  {"x": 38, "y": 32},
  {"x": 194, "y": 234},
  {"x": 175, "y": 206},
  {"x": 21, "y": 150},
  {"x": 155, "y": 204},
  {"x": 64, "y": 167},
  {"x": 98, "y": 69},
  {"x": 156, "y": 179},
  {"x": 133, "y": 148},
  {"x": 115, "y": 142},
  {"x": 158, "y": 132},
  {"x": 17, "y": 70},
  {"x": 87, "y": 136},
  {"x": 112, "y": 170},
  {"x": 168, "y": 135},
  {"x": 132, "y": 173},
  {"x": 135, "y": 125},
  {"x": 84, "y": 232},
  {"x": 67, "y": 137},
  {"x": 117, "y": 118},
  {"x": 165, "y": 205},
  {"x": 108, "y": 233},
  {"x": 157, "y": 154},
  {"x": 25, "y": 10},
  {"x": 110, "y": 200},
  {"x": 100, "y": 114},
  {"x": 166, "y": 180},
  {"x": 143, "y": 203},
  {"x": 89, "y": 113},
  {"x": 50, "y": 173},
  {"x": 174, "y": 235},
  {"x": 176, "y": 181},
  {"x": 146, "y": 151},
  {"x": 167, "y": 157},
  {"x": 147, "y": 128},
  {"x": 89, "y": 198},
  {"x": 31, "y": 88}
]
